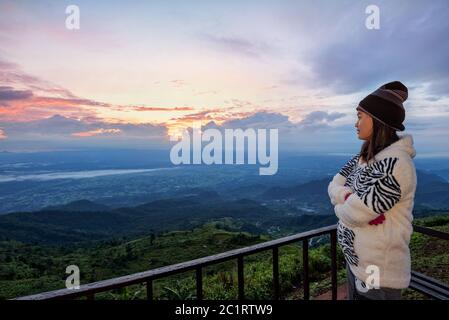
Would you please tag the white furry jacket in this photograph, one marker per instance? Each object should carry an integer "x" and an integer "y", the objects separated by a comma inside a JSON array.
[{"x": 386, "y": 185}]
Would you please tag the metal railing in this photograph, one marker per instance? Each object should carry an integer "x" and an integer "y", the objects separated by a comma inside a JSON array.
[{"x": 147, "y": 277}]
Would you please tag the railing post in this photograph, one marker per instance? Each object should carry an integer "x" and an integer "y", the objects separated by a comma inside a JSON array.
[
  {"x": 333, "y": 235},
  {"x": 305, "y": 261},
  {"x": 240, "y": 278},
  {"x": 199, "y": 283},
  {"x": 149, "y": 289},
  {"x": 276, "y": 272}
]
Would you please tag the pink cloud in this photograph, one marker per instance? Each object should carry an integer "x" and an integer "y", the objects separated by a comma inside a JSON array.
[
  {"x": 96, "y": 132},
  {"x": 217, "y": 114},
  {"x": 206, "y": 92},
  {"x": 178, "y": 83},
  {"x": 9, "y": 93},
  {"x": 163, "y": 109},
  {"x": 24, "y": 97},
  {"x": 29, "y": 98}
]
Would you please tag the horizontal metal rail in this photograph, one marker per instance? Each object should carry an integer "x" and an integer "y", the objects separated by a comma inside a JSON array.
[
  {"x": 419, "y": 282},
  {"x": 429, "y": 286},
  {"x": 148, "y": 276}
]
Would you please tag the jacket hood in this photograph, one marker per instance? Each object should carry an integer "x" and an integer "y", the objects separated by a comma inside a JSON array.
[{"x": 403, "y": 145}]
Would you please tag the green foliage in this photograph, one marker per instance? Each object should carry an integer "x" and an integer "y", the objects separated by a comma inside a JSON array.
[
  {"x": 27, "y": 268},
  {"x": 179, "y": 290}
]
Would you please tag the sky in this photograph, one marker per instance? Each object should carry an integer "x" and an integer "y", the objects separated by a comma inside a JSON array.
[{"x": 137, "y": 72}]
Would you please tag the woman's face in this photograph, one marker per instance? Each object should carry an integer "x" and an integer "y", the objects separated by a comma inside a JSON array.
[{"x": 364, "y": 125}]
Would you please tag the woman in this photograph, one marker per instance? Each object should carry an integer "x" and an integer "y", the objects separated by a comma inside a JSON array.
[{"x": 373, "y": 195}]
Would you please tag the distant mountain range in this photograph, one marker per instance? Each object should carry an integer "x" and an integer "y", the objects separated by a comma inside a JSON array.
[
  {"x": 85, "y": 220},
  {"x": 432, "y": 192},
  {"x": 315, "y": 190},
  {"x": 80, "y": 205},
  {"x": 278, "y": 209}
]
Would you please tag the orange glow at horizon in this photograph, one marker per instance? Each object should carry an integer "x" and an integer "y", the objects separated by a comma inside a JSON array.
[{"x": 95, "y": 132}]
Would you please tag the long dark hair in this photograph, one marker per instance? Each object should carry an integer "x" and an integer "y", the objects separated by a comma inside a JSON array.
[{"x": 381, "y": 137}]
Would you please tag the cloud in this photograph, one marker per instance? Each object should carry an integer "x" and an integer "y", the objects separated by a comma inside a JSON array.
[
  {"x": 59, "y": 132},
  {"x": 178, "y": 83},
  {"x": 54, "y": 126},
  {"x": 12, "y": 75},
  {"x": 238, "y": 103},
  {"x": 364, "y": 59},
  {"x": 205, "y": 115},
  {"x": 61, "y": 127},
  {"x": 266, "y": 119},
  {"x": 236, "y": 45},
  {"x": 319, "y": 118},
  {"x": 260, "y": 119},
  {"x": 218, "y": 118},
  {"x": 100, "y": 131},
  {"x": 41, "y": 99},
  {"x": 201, "y": 93},
  {"x": 163, "y": 109},
  {"x": 314, "y": 133},
  {"x": 6, "y": 65},
  {"x": 24, "y": 97},
  {"x": 8, "y": 93}
]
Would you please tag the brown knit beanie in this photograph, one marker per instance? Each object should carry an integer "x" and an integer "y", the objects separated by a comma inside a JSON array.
[{"x": 385, "y": 104}]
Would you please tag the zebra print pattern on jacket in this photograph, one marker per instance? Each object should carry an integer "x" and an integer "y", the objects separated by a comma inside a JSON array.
[
  {"x": 345, "y": 239},
  {"x": 350, "y": 166},
  {"x": 375, "y": 185}
]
